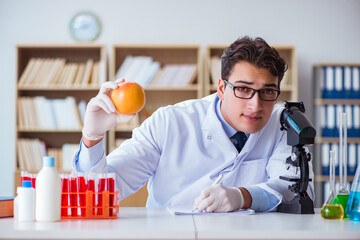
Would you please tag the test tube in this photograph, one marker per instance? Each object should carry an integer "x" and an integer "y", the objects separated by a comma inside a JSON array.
[
  {"x": 73, "y": 194},
  {"x": 101, "y": 188},
  {"x": 33, "y": 179},
  {"x": 343, "y": 154},
  {"x": 110, "y": 186},
  {"x": 91, "y": 178},
  {"x": 64, "y": 195},
  {"x": 81, "y": 186}
]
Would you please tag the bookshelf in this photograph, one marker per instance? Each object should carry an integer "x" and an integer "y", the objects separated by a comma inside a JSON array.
[
  {"x": 54, "y": 83},
  {"x": 336, "y": 90},
  {"x": 289, "y": 84}
]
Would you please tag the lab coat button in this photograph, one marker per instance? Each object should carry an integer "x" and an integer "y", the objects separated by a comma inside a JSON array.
[{"x": 209, "y": 137}]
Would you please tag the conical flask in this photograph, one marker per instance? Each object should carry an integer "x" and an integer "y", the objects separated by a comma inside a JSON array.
[
  {"x": 342, "y": 195},
  {"x": 353, "y": 204},
  {"x": 328, "y": 209}
]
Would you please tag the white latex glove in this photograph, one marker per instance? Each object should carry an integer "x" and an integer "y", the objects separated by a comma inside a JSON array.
[
  {"x": 219, "y": 198},
  {"x": 101, "y": 114}
]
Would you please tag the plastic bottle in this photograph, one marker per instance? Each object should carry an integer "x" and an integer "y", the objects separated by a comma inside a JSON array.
[
  {"x": 48, "y": 192},
  {"x": 26, "y": 202}
]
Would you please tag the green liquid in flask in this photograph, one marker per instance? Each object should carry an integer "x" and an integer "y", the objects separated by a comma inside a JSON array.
[
  {"x": 341, "y": 199},
  {"x": 332, "y": 211}
]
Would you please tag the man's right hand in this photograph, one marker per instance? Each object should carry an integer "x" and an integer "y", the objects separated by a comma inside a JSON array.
[{"x": 101, "y": 114}]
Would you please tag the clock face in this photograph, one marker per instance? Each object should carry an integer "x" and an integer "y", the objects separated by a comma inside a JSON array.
[{"x": 85, "y": 27}]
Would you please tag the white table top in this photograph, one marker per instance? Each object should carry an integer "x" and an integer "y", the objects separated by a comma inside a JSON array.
[
  {"x": 275, "y": 225},
  {"x": 133, "y": 223},
  {"x": 143, "y": 223}
]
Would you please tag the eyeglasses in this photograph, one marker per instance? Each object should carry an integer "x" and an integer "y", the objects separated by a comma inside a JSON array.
[{"x": 266, "y": 94}]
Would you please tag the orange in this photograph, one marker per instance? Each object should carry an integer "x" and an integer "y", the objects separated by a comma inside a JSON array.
[{"x": 128, "y": 97}]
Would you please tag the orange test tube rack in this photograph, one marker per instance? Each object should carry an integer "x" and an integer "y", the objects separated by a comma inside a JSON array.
[{"x": 91, "y": 209}]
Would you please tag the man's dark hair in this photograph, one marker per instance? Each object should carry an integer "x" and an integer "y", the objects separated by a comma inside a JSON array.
[{"x": 255, "y": 51}]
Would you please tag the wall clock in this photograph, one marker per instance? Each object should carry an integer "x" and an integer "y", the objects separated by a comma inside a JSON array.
[{"x": 85, "y": 27}]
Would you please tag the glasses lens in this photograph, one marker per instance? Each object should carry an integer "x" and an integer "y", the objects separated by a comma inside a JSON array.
[
  {"x": 268, "y": 94},
  {"x": 243, "y": 92}
]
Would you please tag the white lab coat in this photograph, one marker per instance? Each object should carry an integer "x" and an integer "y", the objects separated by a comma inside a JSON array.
[{"x": 183, "y": 148}]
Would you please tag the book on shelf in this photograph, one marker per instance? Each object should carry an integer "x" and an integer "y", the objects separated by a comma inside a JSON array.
[
  {"x": 80, "y": 74},
  {"x": 87, "y": 73},
  {"x": 43, "y": 72},
  {"x": 177, "y": 75},
  {"x": 68, "y": 152},
  {"x": 6, "y": 206},
  {"x": 94, "y": 78},
  {"x": 50, "y": 114},
  {"x": 338, "y": 82},
  {"x": 328, "y": 119},
  {"x": 30, "y": 153}
]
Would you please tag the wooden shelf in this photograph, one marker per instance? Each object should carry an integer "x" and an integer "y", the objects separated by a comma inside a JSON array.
[
  {"x": 337, "y": 101},
  {"x": 318, "y": 74},
  {"x": 324, "y": 178},
  {"x": 335, "y": 140},
  {"x": 53, "y": 138}
]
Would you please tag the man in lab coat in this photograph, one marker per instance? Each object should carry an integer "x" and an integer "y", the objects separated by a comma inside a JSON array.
[{"x": 183, "y": 148}]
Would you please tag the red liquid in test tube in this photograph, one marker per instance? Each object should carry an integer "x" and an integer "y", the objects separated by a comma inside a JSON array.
[
  {"x": 64, "y": 194},
  {"x": 73, "y": 195},
  {"x": 110, "y": 185},
  {"x": 33, "y": 180},
  {"x": 91, "y": 187},
  {"x": 81, "y": 184},
  {"x": 101, "y": 187}
]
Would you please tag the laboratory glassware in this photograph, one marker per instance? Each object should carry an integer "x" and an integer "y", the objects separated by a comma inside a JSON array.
[
  {"x": 342, "y": 195},
  {"x": 353, "y": 204},
  {"x": 328, "y": 209}
]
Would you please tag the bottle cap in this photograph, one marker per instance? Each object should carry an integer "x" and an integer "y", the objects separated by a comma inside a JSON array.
[
  {"x": 48, "y": 161},
  {"x": 27, "y": 184}
]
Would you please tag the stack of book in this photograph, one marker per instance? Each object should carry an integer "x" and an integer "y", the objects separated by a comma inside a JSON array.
[
  {"x": 50, "y": 114},
  {"x": 30, "y": 153},
  {"x": 145, "y": 71},
  {"x": 45, "y": 72}
]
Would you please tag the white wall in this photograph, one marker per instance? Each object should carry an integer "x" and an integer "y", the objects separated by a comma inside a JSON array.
[{"x": 321, "y": 30}]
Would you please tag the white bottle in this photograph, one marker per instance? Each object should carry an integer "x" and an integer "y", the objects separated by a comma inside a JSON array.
[
  {"x": 26, "y": 202},
  {"x": 48, "y": 192}
]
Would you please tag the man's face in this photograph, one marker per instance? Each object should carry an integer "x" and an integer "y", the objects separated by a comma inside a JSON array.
[{"x": 247, "y": 115}]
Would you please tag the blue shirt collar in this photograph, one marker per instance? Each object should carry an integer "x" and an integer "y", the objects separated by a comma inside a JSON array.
[{"x": 230, "y": 131}]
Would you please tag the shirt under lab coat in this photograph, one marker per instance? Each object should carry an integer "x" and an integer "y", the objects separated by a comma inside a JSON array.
[{"x": 181, "y": 149}]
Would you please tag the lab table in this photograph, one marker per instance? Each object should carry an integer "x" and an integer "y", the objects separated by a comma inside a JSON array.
[{"x": 147, "y": 223}]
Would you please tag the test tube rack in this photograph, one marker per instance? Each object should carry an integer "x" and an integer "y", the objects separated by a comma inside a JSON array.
[{"x": 91, "y": 210}]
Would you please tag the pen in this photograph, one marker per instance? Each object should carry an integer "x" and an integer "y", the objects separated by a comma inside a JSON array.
[
  {"x": 217, "y": 180},
  {"x": 213, "y": 184}
]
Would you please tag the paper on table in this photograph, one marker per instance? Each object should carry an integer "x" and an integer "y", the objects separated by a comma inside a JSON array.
[{"x": 188, "y": 211}]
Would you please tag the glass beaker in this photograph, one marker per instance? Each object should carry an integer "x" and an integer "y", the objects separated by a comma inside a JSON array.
[
  {"x": 353, "y": 204},
  {"x": 329, "y": 210},
  {"x": 342, "y": 195}
]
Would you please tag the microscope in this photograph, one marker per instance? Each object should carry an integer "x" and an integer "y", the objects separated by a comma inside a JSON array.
[{"x": 299, "y": 133}]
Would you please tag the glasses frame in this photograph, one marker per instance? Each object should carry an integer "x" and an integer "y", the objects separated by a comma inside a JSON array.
[{"x": 253, "y": 92}]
